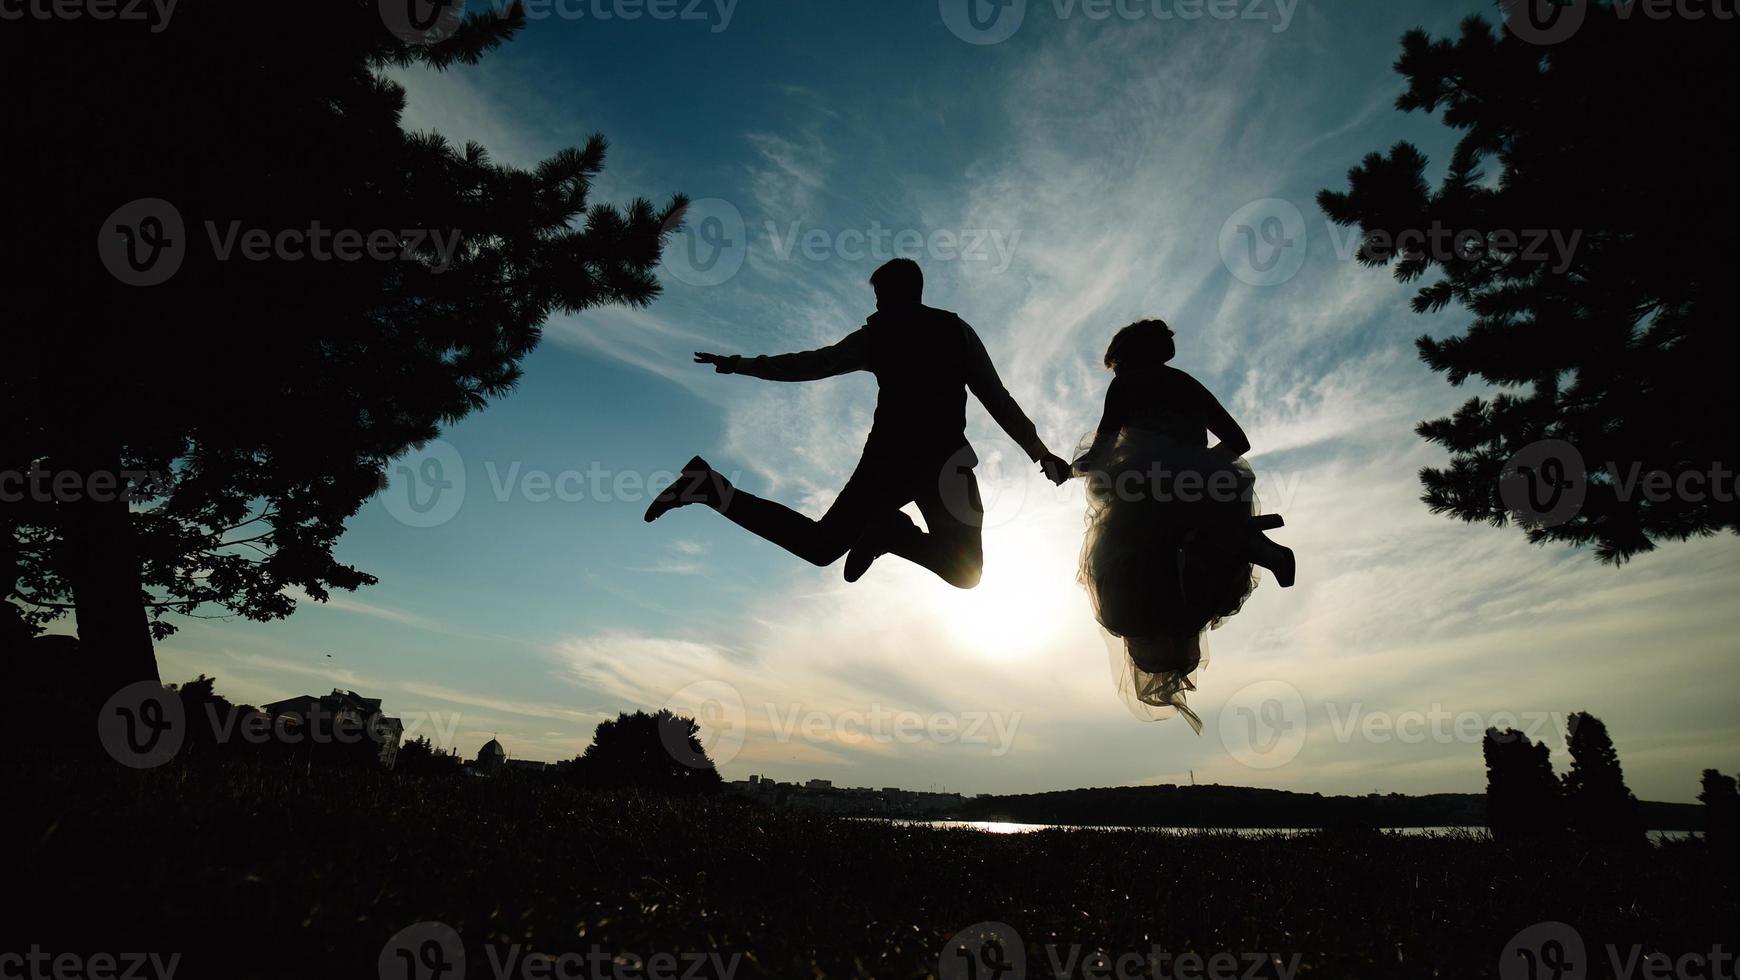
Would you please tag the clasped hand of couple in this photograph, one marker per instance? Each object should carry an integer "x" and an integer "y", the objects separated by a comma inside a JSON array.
[{"x": 1055, "y": 467}]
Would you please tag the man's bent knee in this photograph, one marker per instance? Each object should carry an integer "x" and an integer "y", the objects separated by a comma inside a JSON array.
[{"x": 966, "y": 572}]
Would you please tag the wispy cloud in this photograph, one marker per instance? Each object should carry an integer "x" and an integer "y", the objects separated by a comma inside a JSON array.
[
  {"x": 344, "y": 602},
  {"x": 524, "y": 709}
]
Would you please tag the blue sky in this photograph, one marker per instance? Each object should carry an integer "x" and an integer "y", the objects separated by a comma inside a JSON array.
[{"x": 1091, "y": 168}]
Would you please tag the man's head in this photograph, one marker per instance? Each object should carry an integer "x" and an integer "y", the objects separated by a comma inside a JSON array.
[{"x": 899, "y": 282}]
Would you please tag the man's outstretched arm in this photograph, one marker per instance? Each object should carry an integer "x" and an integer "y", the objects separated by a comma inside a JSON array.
[
  {"x": 984, "y": 383},
  {"x": 844, "y": 357}
]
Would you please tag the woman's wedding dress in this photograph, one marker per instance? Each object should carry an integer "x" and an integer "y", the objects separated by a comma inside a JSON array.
[{"x": 1159, "y": 559}]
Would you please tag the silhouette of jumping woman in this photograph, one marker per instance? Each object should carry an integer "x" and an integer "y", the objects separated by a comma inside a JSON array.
[
  {"x": 925, "y": 361},
  {"x": 1173, "y": 527}
]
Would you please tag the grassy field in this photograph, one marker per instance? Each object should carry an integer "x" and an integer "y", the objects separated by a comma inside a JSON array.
[{"x": 254, "y": 872}]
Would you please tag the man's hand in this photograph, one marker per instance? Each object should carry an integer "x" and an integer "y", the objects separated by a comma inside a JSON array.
[
  {"x": 1055, "y": 468},
  {"x": 722, "y": 363}
]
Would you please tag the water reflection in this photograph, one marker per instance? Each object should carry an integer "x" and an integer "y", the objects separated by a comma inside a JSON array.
[{"x": 1010, "y": 827}]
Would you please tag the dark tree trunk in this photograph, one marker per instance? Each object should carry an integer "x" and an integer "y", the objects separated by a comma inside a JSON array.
[{"x": 108, "y": 597}]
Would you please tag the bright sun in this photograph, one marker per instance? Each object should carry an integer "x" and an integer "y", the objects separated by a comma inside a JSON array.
[{"x": 1027, "y": 597}]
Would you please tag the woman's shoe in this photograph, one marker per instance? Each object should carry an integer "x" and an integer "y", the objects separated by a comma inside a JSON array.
[{"x": 1283, "y": 566}]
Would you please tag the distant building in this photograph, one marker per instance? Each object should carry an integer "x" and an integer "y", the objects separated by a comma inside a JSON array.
[
  {"x": 823, "y": 795},
  {"x": 490, "y": 759},
  {"x": 343, "y": 714}
]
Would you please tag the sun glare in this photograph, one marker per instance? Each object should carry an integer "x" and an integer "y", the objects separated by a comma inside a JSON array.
[{"x": 1027, "y": 598}]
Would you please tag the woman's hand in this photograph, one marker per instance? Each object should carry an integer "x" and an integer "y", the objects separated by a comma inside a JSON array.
[{"x": 1055, "y": 468}]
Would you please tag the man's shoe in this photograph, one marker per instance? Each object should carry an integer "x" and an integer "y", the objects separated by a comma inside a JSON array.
[
  {"x": 875, "y": 542},
  {"x": 699, "y": 483}
]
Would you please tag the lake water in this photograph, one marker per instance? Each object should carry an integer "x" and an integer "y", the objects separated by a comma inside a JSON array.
[{"x": 1005, "y": 827}]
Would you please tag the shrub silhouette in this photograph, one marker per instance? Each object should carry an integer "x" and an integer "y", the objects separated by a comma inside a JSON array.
[
  {"x": 1598, "y": 805},
  {"x": 1721, "y": 811},
  {"x": 1523, "y": 799},
  {"x": 659, "y": 752},
  {"x": 420, "y": 757}
]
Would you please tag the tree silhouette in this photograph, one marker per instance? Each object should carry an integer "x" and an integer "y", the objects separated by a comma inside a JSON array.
[
  {"x": 205, "y": 713},
  {"x": 420, "y": 757},
  {"x": 1597, "y": 803},
  {"x": 1523, "y": 800},
  {"x": 1613, "y": 337},
  {"x": 1721, "y": 810},
  {"x": 250, "y": 402},
  {"x": 660, "y": 752}
]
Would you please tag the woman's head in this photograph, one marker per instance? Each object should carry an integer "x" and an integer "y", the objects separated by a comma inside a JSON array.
[{"x": 1143, "y": 344}]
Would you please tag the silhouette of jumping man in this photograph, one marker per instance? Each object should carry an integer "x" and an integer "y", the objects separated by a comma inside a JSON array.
[{"x": 925, "y": 360}]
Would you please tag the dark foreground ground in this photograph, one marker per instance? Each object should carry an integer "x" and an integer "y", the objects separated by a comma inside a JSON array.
[{"x": 254, "y": 872}]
